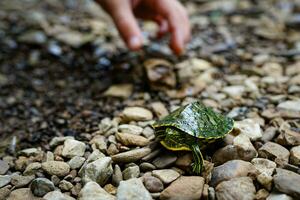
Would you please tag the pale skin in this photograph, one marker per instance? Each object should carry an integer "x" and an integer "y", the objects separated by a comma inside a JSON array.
[{"x": 170, "y": 16}]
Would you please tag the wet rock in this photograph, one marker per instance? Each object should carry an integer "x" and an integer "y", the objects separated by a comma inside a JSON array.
[
  {"x": 250, "y": 128},
  {"x": 4, "y": 180},
  {"x": 279, "y": 196},
  {"x": 287, "y": 182},
  {"x": 22, "y": 194},
  {"x": 73, "y": 148},
  {"x": 92, "y": 191},
  {"x": 76, "y": 162},
  {"x": 273, "y": 150},
  {"x": 290, "y": 105},
  {"x": 159, "y": 109},
  {"x": 136, "y": 114},
  {"x": 153, "y": 184},
  {"x": 41, "y": 186},
  {"x": 166, "y": 175},
  {"x": 119, "y": 90},
  {"x": 56, "y": 195},
  {"x": 32, "y": 168},
  {"x": 184, "y": 188},
  {"x": 240, "y": 188},
  {"x": 232, "y": 169},
  {"x": 130, "y": 139},
  {"x": 3, "y": 167},
  {"x": 132, "y": 189},
  {"x": 131, "y": 156},
  {"x": 131, "y": 129},
  {"x": 295, "y": 155},
  {"x": 131, "y": 172},
  {"x": 98, "y": 171},
  {"x": 164, "y": 160},
  {"x": 57, "y": 168},
  {"x": 21, "y": 181}
]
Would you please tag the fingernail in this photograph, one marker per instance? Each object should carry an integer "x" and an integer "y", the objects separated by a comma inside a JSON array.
[{"x": 134, "y": 42}]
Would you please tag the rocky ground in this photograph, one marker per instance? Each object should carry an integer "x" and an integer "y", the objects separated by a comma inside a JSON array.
[{"x": 77, "y": 107}]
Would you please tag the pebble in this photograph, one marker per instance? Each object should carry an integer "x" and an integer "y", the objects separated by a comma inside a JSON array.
[
  {"x": 65, "y": 185},
  {"x": 184, "y": 188},
  {"x": 117, "y": 176},
  {"x": 164, "y": 160},
  {"x": 261, "y": 194},
  {"x": 57, "y": 168},
  {"x": 290, "y": 105},
  {"x": 250, "y": 128},
  {"x": 145, "y": 166},
  {"x": 136, "y": 114},
  {"x": 32, "y": 168},
  {"x": 234, "y": 91},
  {"x": 4, "y": 180},
  {"x": 4, "y": 192},
  {"x": 131, "y": 172},
  {"x": 153, "y": 184},
  {"x": 29, "y": 152},
  {"x": 287, "y": 182},
  {"x": 288, "y": 137},
  {"x": 22, "y": 194},
  {"x": 148, "y": 133},
  {"x": 41, "y": 186},
  {"x": 73, "y": 148},
  {"x": 98, "y": 171},
  {"x": 265, "y": 168},
  {"x": 232, "y": 169},
  {"x": 21, "y": 181},
  {"x": 92, "y": 191},
  {"x": 272, "y": 150},
  {"x": 131, "y": 129},
  {"x": 269, "y": 134},
  {"x": 295, "y": 155},
  {"x": 184, "y": 162},
  {"x": 159, "y": 109},
  {"x": 241, "y": 188},
  {"x": 119, "y": 90},
  {"x": 131, "y": 156},
  {"x": 76, "y": 162},
  {"x": 132, "y": 189},
  {"x": 100, "y": 142},
  {"x": 4, "y": 167},
  {"x": 57, "y": 195},
  {"x": 166, "y": 175},
  {"x": 59, "y": 140},
  {"x": 279, "y": 196},
  {"x": 128, "y": 139}
]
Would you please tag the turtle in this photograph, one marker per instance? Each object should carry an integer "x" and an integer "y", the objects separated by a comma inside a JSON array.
[{"x": 191, "y": 128}]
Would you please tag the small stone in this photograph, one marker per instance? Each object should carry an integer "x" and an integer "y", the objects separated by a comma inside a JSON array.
[
  {"x": 131, "y": 129},
  {"x": 232, "y": 169},
  {"x": 41, "y": 186},
  {"x": 250, "y": 128},
  {"x": 117, "y": 175},
  {"x": 159, "y": 109},
  {"x": 166, "y": 175},
  {"x": 132, "y": 189},
  {"x": 4, "y": 192},
  {"x": 261, "y": 194},
  {"x": 110, "y": 189},
  {"x": 184, "y": 162},
  {"x": 295, "y": 155},
  {"x": 59, "y": 140},
  {"x": 279, "y": 196},
  {"x": 4, "y": 167},
  {"x": 264, "y": 165},
  {"x": 33, "y": 37},
  {"x": 58, "y": 168},
  {"x": 29, "y": 152},
  {"x": 21, "y": 163},
  {"x": 4, "y": 180},
  {"x": 164, "y": 160},
  {"x": 92, "y": 191},
  {"x": 234, "y": 91},
  {"x": 288, "y": 137},
  {"x": 290, "y": 105},
  {"x": 119, "y": 90},
  {"x": 100, "y": 142},
  {"x": 21, "y": 181},
  {"x": 287, "y": 182},
  {"x": 131, "y": 156},
  {"x": 65, "y": 185},
  {"x": 22, "y": 194},
  {"x": 269, "y": 134},
  {"x": 136, "y": 114},
  {"x": 98, "y": 171},
  {"x": 148, "y": 133},
  {"x": 153, "y": 184},
  {"x": 130, "y": 139},
  {"x": 76, "y": 162},
  {"x": 57, "y": 195},
  {"x": 272, "y": 150},
  {"x": 131, "y": 172},
  {"x": 145, "y": 166},
  {"x": 73, "y": 148},
  {"x": 236, "y": 188},
  {"x": 184, "y": 188},
  {"x": 112, "y": 150}
]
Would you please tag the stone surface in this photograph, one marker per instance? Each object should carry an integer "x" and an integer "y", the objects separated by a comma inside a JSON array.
[
  {"x": 240, "y": 188},
  {"x": 22, "y": 194},
  {"x": 131, "y": 172},
  {"x": 136, "y": 114},
  {"x": 184, "y": 188},
  {"x": 21, "y": 181},
  {"x": 279, "y": 196},
  {"x": 4, "y": 180},
  {"x": 166, "y": 175},
  {"x": 100, "y": 142},
  {"x": 131, "y": 129},
  {"x": 131, "y": 156},
  {"x": 287, "y": 182},
  {"x": 56, "y": 195},
  {"x": 119, "y": 90},
  {"x": 250, "y": 128},
  {"x": 57, "y": 168},
  {"x": 117, "y": 175},
  {"x": 65, "y": 185},
  {"x": 273, "y": 150},
  {"x": 3, "y": 167},
  {"x": 32, "y": 168},
  {"x": 76, "y": 162},
  {"x": 73, "y": 148},
  {"x": 128, "y": 139},
  {"x": 92, "y": 191},
  {"x": 232, "y": 169},
  {"x": 153, "y": 184},
  {"x": 98, "y": 171},
  {"x": 159, "y": 109},
  {"x": 164, "y": 160},
  {"x": 41, "y": 186},
  {"x": 264, "y": 165},
  {"x": 295, "y": 155},
  {"x": 290, "y": 105},
  {"x": 132, "y": 189}
]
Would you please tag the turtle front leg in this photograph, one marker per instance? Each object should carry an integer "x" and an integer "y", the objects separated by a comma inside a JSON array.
[{"x": 197, "y": 166}]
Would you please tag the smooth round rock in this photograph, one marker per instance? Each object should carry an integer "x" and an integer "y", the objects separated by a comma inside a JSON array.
[
  {"x": 128, "y": 139},
  {"x": 153, "y": 184},
  {"x": 41, "y": 186},
  {"x": 57, "y": 168},
  {"x": 166, "y": 175},
  {"x": 131, "y": 156},
  {"x": 136, "y": 114}
]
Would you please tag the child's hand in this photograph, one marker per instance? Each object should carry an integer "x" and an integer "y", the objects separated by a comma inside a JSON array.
[{"x": 169, "y": 14}]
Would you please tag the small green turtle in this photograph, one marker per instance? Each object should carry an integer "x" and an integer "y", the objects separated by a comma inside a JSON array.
[{"x": 191, "y": 128}]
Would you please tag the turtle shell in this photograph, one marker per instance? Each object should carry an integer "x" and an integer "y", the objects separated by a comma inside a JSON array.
[{"x": 196, "y": 120}]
